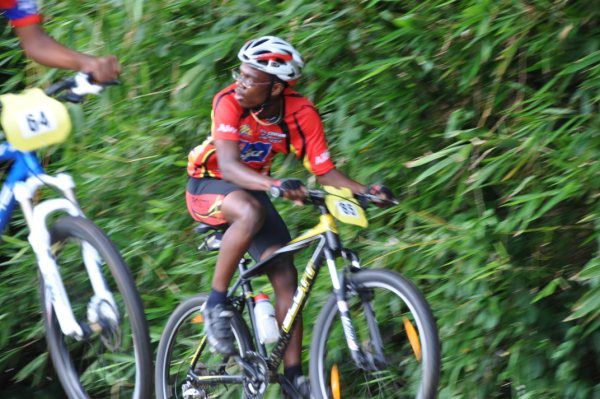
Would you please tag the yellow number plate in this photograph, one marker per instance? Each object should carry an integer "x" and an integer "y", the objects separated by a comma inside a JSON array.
[
  {"x": 32, "y": 120},
  {"x": 344, "y": 207}
]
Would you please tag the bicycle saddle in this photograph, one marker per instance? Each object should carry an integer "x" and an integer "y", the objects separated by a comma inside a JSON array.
[
  {"x": 205, "y": 228},
  {"x": 211, "y": 242}
]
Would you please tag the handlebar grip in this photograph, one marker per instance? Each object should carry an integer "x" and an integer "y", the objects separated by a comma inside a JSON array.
[
  {"x": 376, "y": 200},
  {"x": 77, "y": 87}
]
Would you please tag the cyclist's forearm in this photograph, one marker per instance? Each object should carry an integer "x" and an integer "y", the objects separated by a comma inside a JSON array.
[
  {"x": 43, "y": 49},
  {"x": 243, "y": 176},
  {"x": 337, "y": 179}
]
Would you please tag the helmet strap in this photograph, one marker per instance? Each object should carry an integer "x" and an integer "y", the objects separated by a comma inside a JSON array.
[{"x": 266, "y": 104}]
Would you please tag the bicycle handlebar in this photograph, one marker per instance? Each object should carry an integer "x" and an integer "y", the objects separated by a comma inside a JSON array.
[
  {"x": 318, "y": 196},
  {"x": 77, "y": 87}
]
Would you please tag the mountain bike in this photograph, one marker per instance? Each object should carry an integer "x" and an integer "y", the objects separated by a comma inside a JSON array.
[
  {"x": 374, "y": 337},
  {"x": 94, "y": 319}
]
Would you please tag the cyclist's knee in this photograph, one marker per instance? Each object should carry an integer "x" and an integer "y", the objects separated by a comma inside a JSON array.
[{"x": 240, "y": 206}]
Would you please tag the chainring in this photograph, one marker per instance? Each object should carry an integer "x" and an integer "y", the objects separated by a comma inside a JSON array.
[{"x": 255, "y": 386}]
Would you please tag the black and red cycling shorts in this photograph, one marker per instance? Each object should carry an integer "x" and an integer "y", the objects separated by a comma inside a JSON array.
[{"x": 204, "y": 198}]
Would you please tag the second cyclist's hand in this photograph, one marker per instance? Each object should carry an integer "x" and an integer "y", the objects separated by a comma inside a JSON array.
[
  {"x": 102, "y": 69},
  {"x": 293, "y": 189}
]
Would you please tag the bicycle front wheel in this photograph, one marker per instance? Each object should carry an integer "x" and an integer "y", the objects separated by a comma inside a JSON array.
[
  {"x": 396, "y": 332},
  {"x": 185, "y": 366},
  {"x": 115, "y": 361}
]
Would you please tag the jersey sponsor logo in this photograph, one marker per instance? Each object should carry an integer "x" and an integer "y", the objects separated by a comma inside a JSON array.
[
  {"x": 273, "y": 137},
  {"x": 322, "y": 158},
  {"x": 224, "y": 128},
  {"x": 245, "y": 130},
  {"x": 254, "y": 152}
]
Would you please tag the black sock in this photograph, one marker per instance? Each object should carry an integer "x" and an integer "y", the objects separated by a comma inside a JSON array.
[
  {"x": 215, "y": 298},
  {"x": 292, "y": 372}
]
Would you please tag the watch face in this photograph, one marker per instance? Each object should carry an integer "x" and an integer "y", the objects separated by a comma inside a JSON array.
[{"x": 275, "y": 192}]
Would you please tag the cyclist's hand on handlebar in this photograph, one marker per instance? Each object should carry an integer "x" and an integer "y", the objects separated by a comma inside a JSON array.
[
  {"x": 102, "y": 69},
  {"x": 382, "y": 192},
  {"x": 292, "y": 189}
]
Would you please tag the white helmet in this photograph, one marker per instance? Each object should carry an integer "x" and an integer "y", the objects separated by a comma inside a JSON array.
[{"x": 274, "y": 56}]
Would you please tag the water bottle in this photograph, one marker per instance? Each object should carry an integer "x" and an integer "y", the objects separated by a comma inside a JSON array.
[{"x": 266, "y": 324}]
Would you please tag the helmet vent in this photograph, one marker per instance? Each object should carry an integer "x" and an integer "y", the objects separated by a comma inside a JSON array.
[{"x": 259, "y": 42}]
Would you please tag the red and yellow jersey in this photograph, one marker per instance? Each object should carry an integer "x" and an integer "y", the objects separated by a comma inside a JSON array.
[
  {"x": 21, "y": 12},
  {"x": 300, "y": 131}
]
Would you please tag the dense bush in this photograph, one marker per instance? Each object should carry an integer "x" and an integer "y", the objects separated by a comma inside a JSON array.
[{"x": 482, "y": 115}]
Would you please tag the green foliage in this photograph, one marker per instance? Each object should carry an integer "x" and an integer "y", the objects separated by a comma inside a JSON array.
[{"x": 482, "y": 115}]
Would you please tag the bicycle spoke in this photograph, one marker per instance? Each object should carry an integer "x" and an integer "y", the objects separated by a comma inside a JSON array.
[
  {"x": 397, "y": 361},
  {"x": 189, "y": 356}
]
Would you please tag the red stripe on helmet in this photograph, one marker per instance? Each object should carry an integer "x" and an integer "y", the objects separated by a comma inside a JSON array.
[{"x": 274, "y": 57}]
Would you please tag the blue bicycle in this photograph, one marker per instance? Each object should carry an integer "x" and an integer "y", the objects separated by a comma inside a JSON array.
[{"x": 94, "y": 318}]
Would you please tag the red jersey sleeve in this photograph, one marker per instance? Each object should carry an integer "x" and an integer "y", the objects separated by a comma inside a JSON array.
[
  {"x": 21, "y": 12},
  {"x": 316, "y": 154},
  {"x": 226, "y": 114}
]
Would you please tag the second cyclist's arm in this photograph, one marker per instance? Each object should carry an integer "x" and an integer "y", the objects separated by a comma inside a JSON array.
[
  {"x": 234, "y": 171},
  {"x": 337, "y": 179},
  {"x": 45, "y": 50}
]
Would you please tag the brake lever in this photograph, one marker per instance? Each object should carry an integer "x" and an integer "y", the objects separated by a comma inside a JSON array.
[{"x": 370, "y": 198}]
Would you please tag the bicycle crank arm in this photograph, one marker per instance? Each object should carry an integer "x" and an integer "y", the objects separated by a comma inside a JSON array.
[{"x": 247, "y": 366}]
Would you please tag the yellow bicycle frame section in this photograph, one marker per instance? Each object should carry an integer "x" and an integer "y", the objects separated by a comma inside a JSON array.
[
  {"x": 326, "y": 223},
  {"x": 343, "y": 206}
]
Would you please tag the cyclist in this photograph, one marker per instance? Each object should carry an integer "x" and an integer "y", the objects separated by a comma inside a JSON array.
[
  {"x": 252, "y": 119},
  {"x": 25, "y": 19}
]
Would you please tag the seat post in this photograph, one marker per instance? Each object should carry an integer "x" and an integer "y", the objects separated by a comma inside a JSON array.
[{"x": 243, "y": 265}]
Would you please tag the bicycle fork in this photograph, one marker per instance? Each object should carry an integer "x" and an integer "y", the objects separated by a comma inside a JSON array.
[
  {"x": 39, "y": 238},
  {"x": 366, "y": 361}
]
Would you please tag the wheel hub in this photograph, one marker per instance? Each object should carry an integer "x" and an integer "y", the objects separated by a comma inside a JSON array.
[{"x": 104, "y": 319}]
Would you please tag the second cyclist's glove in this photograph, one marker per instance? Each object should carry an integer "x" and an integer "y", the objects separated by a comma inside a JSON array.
[{"x": 290, "y": 184}]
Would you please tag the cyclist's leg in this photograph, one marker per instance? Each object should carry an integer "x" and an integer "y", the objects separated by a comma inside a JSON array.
[
  {"x": 214, "y": 202},
  {"x": 211, "y": 200},
  {"x": 283, "y": 275}
]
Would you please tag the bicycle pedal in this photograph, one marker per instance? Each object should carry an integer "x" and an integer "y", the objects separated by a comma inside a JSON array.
[{"x": 289, "y": 390}]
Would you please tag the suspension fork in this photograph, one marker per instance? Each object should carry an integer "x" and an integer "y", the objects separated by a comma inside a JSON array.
[
  {"x": 39, "y": 238},
  {"x": 378, "y": 359},
  {"x": 339, "y": 290},
  {"x": 368, "y": 361}
]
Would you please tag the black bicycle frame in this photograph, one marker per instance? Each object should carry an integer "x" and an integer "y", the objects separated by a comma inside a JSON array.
[{"x": 327, "y": 251}]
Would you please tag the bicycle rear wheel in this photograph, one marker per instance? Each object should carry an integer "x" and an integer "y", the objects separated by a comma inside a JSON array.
[
  {"x": 405, "y": 329},
  {"x": 117, "y": 361},
  {"x": 182, "y": 338}
]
